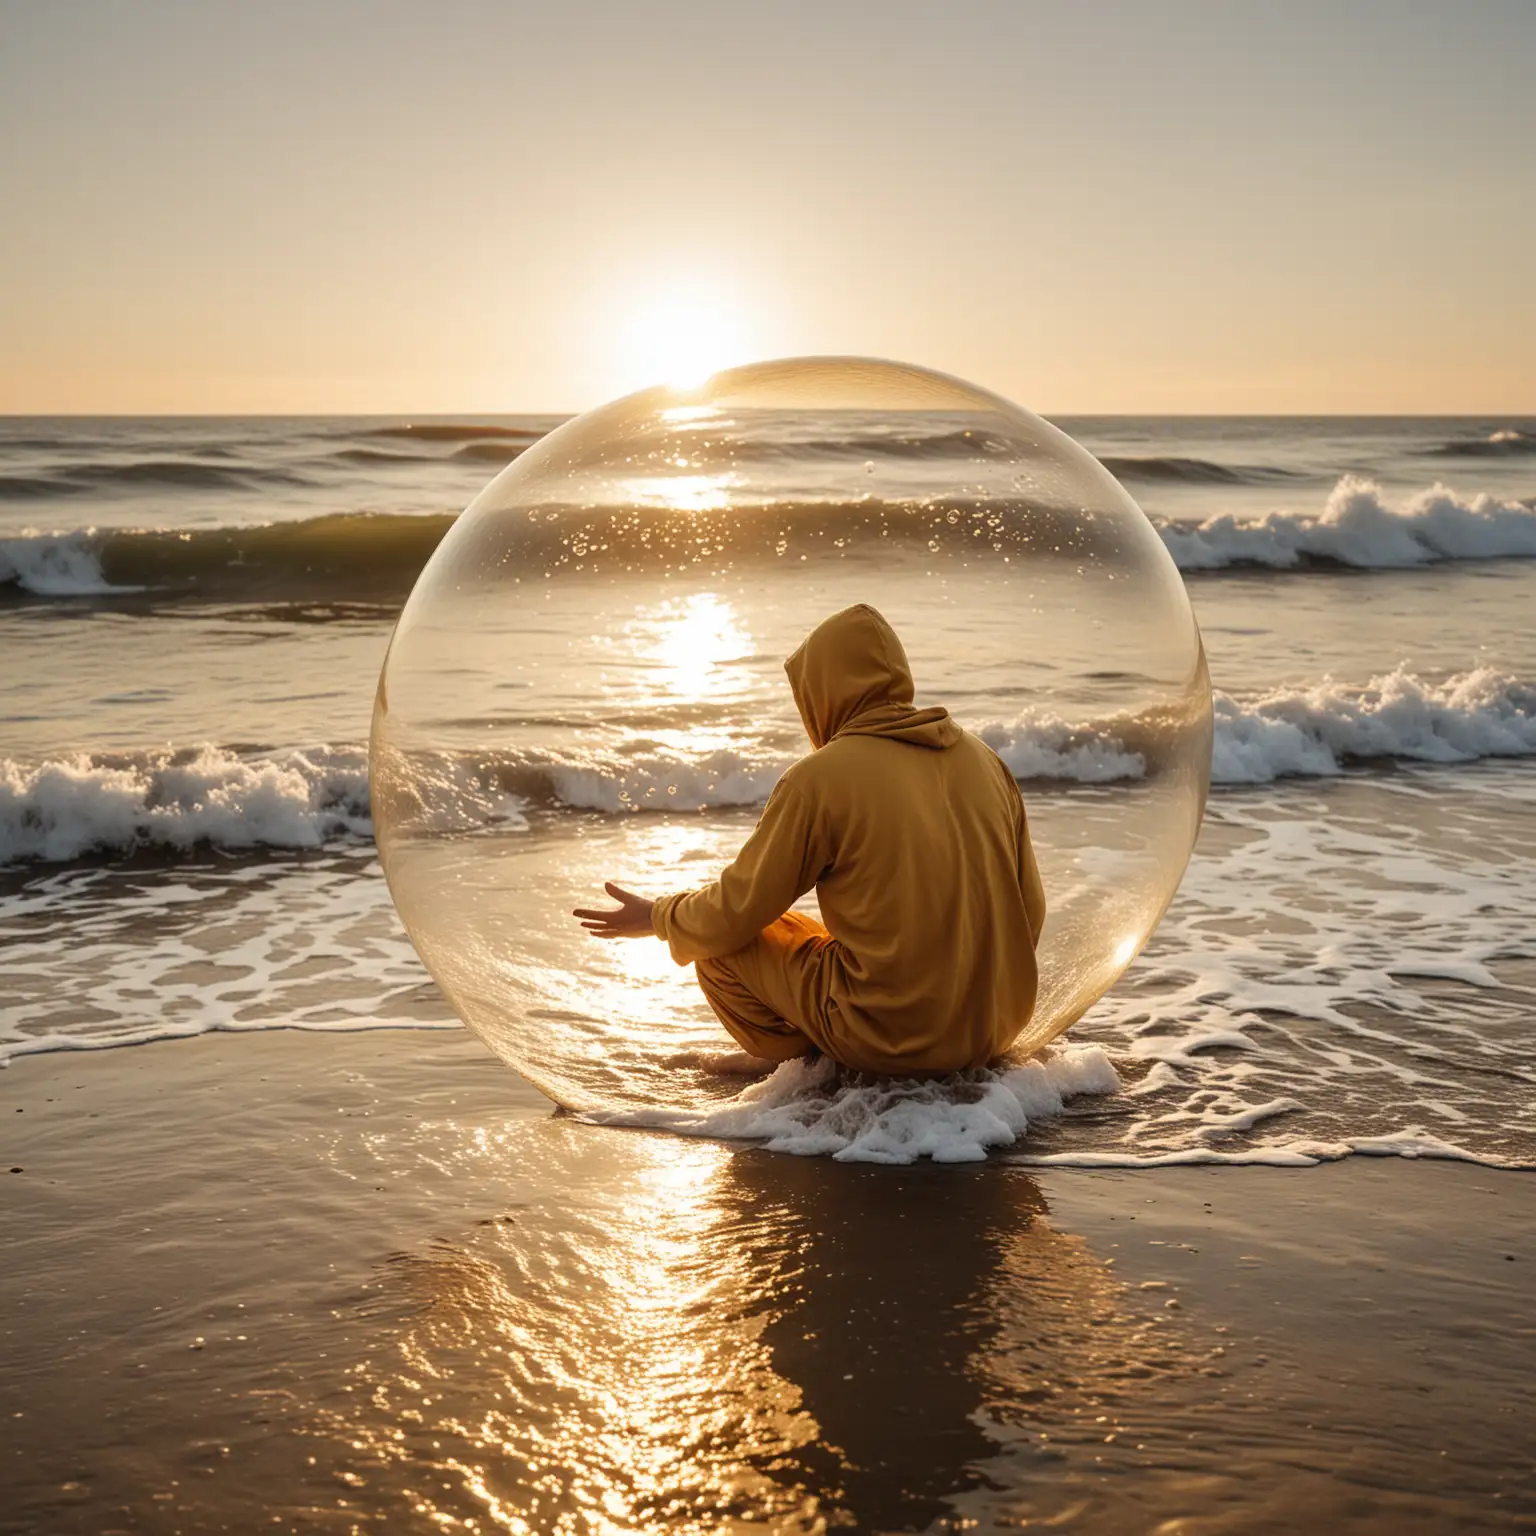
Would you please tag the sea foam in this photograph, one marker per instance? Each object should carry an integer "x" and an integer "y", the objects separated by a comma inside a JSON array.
[
  {"x": 815, "y": 1109},
  {"x": 1359, "y": 527},
  {"x": 81, "y": 806},
  {"x": 1314, "y": 731},
  {"x": 67, "y": 807},
  {"x": 56, "y": 565}
]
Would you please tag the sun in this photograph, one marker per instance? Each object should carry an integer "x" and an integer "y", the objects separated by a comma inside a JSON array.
[{"x": 682, "y": 333}]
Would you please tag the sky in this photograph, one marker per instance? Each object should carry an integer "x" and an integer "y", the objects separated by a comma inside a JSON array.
[{"x": 480, "y": 205}]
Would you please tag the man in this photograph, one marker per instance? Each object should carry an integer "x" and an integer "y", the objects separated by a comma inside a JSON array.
[{"x": 914, "y": 835}]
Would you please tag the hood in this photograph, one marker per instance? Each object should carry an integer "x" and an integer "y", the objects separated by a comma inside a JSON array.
[{"x": 851, "y": 678}]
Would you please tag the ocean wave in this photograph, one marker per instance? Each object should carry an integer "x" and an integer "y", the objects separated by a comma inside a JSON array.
[
  {"x": 161, "y": 474},
  {"x": 49, "y": 566},
  {"x": 1180, "y": 471},
  {"x": 494, "y": 451},
  {"x": 351, "y": 556},
  {"x": 383, "y": 456},
  {"x": 1504, "y": 444},
  {"x": 366, "y": 556},
  {"x": 788, "y": 446},
  {"x": 456, "y": 432},
  {"x": 83, "y": 806},
  {"x": 1360, "y": 529},
  {"x": 72, "y": 807},
  {"x": 33, "y": 487},
  {"x": 1313, "y": 731},
  {"x": 1317, "y": 731}
]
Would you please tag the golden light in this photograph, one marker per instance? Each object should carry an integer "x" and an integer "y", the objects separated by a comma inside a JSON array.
[
  {"x": 701, "y": 646},
  {"x": 681, "y": 334}
]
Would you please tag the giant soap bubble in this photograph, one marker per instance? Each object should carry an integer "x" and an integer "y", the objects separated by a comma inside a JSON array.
[{"x": 587, "y": 684}]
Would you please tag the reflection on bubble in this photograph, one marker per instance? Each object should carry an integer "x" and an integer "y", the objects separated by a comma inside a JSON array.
[{"x": 586, "y": 684}]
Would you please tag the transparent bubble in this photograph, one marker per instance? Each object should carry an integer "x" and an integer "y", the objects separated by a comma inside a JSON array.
[{"x": 586, "y": 684}]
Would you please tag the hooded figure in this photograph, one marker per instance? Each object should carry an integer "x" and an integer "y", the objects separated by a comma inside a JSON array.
[{"x": 914, "y": 835}]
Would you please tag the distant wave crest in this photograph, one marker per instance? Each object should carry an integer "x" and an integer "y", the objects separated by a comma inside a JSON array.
[
  {"x": 1506, "y": 443},
  {"x": 1182, "y": 471},
  {"x": 457, "y": 432},
  {"x": 165, "y": 474}
]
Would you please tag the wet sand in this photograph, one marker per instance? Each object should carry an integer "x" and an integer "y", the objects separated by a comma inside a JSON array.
[{"x": 372, "y": 1282}]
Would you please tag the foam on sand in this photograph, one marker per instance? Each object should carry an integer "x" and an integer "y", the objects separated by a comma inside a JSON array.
[{"x": 815, "y": 1109}]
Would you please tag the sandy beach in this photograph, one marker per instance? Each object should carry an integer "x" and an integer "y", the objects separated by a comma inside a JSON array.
[
  {"x": 1045, "y": 493},
  {"x": 372, "y": 1281}
]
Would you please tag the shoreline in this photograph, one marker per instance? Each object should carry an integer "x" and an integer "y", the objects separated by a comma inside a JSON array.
[{"x": 375, "y": 1281}]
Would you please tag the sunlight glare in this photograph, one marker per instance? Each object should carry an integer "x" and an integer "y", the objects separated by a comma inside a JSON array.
[
  {"x": 701, "y": 645},
  {"x": 681, "y": 335}
]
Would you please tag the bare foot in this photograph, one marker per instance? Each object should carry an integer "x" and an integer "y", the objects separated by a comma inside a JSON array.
[{"x": 738, "y": 1064}]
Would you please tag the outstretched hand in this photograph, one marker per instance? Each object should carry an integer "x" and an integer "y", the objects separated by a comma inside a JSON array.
[{"x": 631, "y": 919}]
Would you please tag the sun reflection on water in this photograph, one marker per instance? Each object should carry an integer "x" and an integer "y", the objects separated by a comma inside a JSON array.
[
  {"x": 681, "y": 491},
  {"x": 671, "y": 1335},
  {"x": 698, "y": 644}
]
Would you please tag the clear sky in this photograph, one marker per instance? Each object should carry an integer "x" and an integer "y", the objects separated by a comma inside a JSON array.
[{"x": 481, "y": 205}]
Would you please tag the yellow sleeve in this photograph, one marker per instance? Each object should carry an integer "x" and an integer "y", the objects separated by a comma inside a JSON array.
[{"x": 779, "y": 863}]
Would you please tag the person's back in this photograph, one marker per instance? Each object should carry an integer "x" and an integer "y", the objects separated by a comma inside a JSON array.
[
  {"x": 933, "y": 968},
  {"x": 914, "y": 835}
]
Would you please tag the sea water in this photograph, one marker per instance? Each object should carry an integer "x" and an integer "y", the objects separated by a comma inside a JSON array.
[{"x": 192, "y": 617}]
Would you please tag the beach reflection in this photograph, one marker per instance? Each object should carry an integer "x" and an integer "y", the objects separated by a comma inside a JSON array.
[{"x": 691, "y": 1338}]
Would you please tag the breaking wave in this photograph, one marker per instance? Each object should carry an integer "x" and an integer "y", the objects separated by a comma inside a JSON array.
[
  {"x": 1359, "y": 528},
  {"x": 1318, "y": 731},
  {"x": 377, "y": 556},
  {"x": 110, "y": 805},
  {"x": 70, "y": 807},
  {"x": 356, "y": 556}
]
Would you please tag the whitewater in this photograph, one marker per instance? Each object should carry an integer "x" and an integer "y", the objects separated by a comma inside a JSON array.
[
  {"x": 173, "y": 800},
  {"x": 192, "y": 618}
]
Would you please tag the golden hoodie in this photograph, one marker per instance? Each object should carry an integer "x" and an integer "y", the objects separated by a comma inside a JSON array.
[{"x": 914, "y": 834}]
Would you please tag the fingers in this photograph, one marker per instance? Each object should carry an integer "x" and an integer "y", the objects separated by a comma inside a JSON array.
[
  {"x": 606, "y": 925},
  {"x": 618, "y": 923}
]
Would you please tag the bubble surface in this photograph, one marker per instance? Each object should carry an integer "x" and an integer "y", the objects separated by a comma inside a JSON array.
[{"x": 586, "y": 684}]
